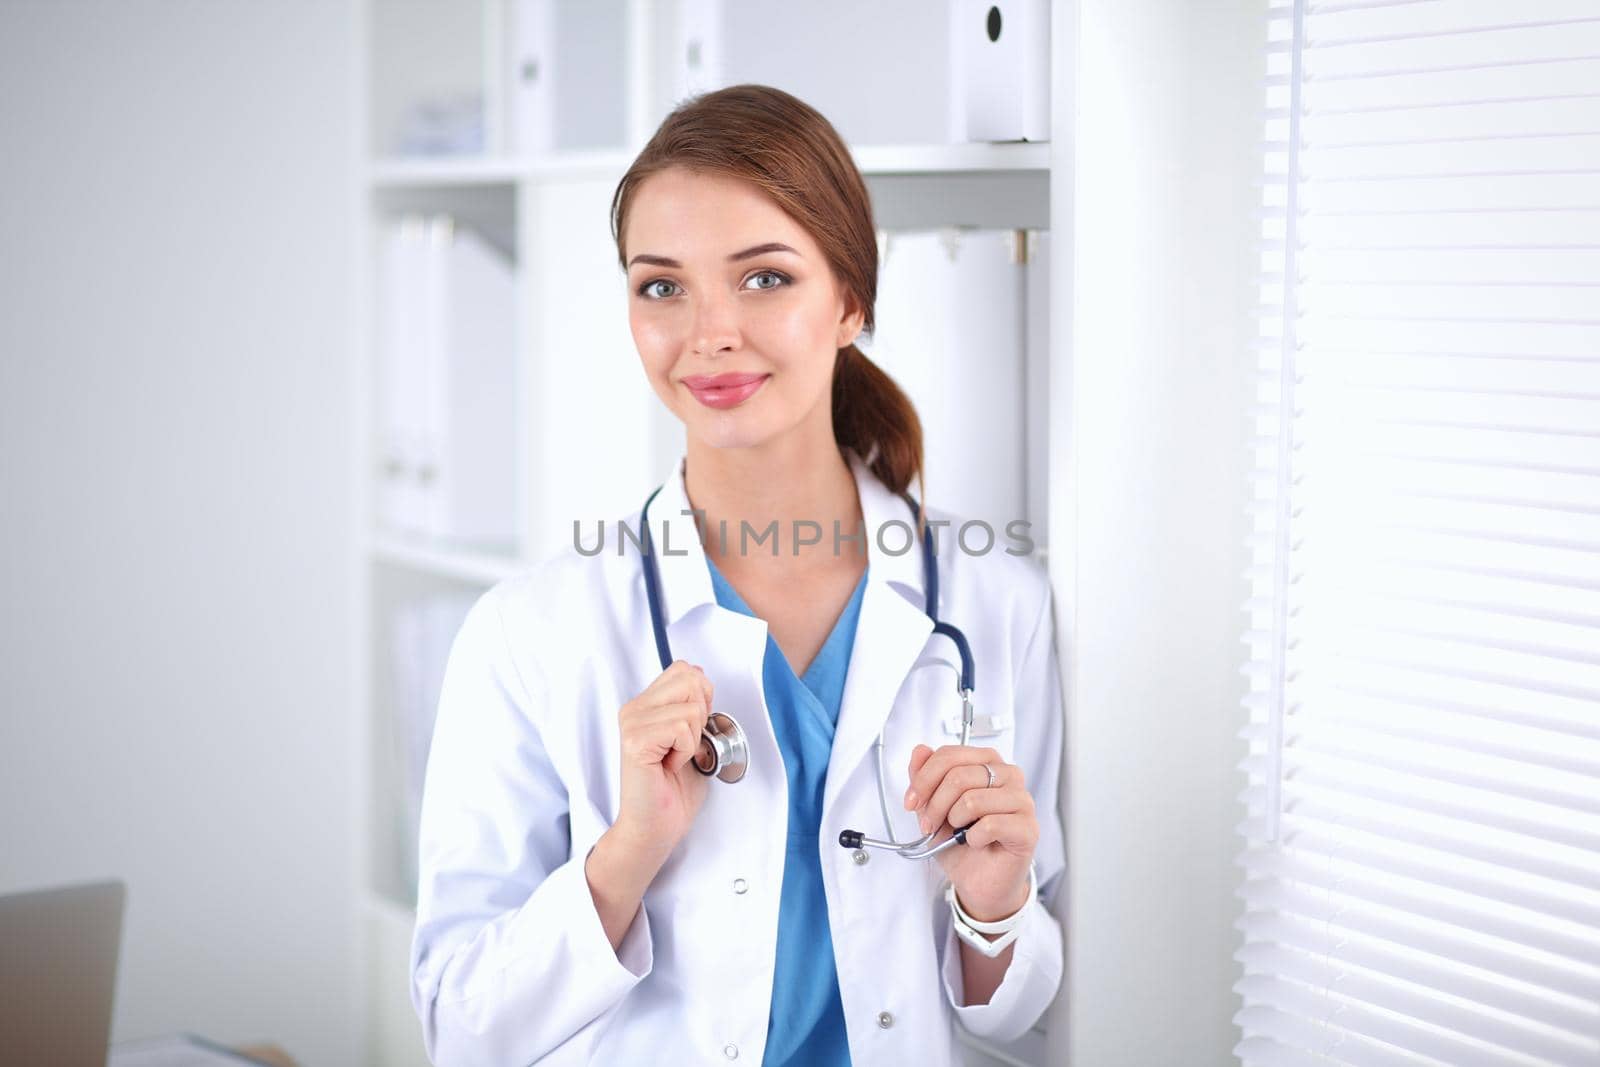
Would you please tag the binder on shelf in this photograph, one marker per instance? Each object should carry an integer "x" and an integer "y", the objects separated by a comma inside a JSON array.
[
  {"x": 565, "y": 74},
  {"x": 401, "y": 364},
  {"x": 950, "y": 332},
  {"x": 699, "y": 54},
  {"x": 447, "y": 360},
  {"x": 468, "y": 468},
  {"x": 496, "y": 81},
  {"x": 1000, "y": 62},
  {"x": 530, "y": 68}
]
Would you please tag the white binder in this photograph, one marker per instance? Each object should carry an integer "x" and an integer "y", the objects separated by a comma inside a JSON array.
[
  {"x": 467, "y": 470},
  {"x": 530, "y": 70},
  {"x": 1001, "y": 61},
  {"x": 698, "y": 66},
  {"x": 950, "y": 333},
  {"x": 401, "y": 371}
]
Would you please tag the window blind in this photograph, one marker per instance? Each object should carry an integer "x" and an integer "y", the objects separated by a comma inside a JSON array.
[{"x": 1420, "y": 864}]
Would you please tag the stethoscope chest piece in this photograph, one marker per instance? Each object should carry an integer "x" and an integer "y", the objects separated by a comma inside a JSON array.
[{"x": 723, "y": 750}]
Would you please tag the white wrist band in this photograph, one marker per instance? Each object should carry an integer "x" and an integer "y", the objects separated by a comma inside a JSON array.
[{"x": 972, "y": 930}]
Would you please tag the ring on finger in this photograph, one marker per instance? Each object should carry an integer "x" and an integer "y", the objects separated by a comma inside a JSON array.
[{"x": 993, "y": 779}]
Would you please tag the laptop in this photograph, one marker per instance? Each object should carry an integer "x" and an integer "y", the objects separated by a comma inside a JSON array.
[{"x": 58, "y": 971}]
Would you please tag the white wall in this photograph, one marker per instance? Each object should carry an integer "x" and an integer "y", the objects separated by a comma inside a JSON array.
[
  {"x": 1148, "y": 469},
  {"x": 173, "y": 483}
]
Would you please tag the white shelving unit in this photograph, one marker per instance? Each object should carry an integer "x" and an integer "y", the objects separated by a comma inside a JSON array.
[{"x": 549, "y": 212}]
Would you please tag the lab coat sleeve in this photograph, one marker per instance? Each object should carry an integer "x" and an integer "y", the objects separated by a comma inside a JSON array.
[
  {"x": 1034, "y": 974},
  {"x": 509, "y": 960}
]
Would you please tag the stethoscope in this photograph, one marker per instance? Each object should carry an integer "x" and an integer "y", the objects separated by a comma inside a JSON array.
[{"x": 724, "y": 751}]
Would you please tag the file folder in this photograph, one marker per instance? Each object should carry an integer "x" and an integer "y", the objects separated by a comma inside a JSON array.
[{"x": 1001, "y": 64}]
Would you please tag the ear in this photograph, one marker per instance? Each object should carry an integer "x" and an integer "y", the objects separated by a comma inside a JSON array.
[{"x": 852, "y": 317}]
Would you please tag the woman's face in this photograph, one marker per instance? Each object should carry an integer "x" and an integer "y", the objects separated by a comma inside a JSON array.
[{"x": 735, "y": 313}]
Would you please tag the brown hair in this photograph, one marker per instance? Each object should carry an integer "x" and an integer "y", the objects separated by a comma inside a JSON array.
[{"x": 794, "y": 155}]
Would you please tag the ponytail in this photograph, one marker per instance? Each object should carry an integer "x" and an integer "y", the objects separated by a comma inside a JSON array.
[{"x": 875, "y": 418}]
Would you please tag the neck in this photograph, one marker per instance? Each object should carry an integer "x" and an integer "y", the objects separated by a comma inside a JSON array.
[{"x": 784, "y": 481}]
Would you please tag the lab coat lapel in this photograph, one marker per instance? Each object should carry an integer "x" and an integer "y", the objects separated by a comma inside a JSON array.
[
  {"x": 890, "y": 634},
  {"x": 891, "y": 631}
]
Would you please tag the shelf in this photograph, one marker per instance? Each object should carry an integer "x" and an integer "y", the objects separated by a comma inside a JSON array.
[
  {"x": 444, "y": 170},
  {"x": 581, "y": 164},
  {"x": 952, "y": 158},
  {"x": 874, "y": 160},
  {"x": 480, "y": 568}
]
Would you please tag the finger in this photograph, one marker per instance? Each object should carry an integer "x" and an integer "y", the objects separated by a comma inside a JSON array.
[
  {"x": 675, "y": 674},
  {"x": 678, "y": 668},
  {"x": 685, "y": 743},
  {"x": 693, "y": 712},
  {"x": 696, "y": 674},
  {"x": 919, "y": 756},
  {"x": 685, "y": 688},
  {"x": 683, "y": 691},
  {"x": 961, "y": 779},
  {"x": 1017, "y": 833},
  {"x": 927, "y": 777},
  {"x": 705, "y": 682},
  {"x": 974, "y": 804},
  {"x": 648, "y": 743},
  {"x": 933, "y": 771}
]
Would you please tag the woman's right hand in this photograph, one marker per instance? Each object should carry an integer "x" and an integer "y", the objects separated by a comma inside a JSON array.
[{"x": 662, "y": 792}]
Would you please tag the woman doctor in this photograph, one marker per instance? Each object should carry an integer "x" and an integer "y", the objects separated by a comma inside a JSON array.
[{"x": 587, "y": 895}]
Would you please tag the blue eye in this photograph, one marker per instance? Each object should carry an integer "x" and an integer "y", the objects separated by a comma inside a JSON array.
[
  {"x": 648, "y": 291},
  {"x": 781, "y": 279}
]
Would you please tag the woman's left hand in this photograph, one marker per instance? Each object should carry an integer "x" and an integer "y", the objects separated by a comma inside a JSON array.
[{"x": 949, "y": 789}]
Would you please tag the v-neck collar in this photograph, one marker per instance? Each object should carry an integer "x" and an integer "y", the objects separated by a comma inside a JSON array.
[
  {"x": 724, "y": 590},
  {"x": 837, "y": 636},
  {"x": 686, "y": 584}
]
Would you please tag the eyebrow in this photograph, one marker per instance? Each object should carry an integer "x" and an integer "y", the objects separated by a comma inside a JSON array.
[{"x": 754, "y": 250}]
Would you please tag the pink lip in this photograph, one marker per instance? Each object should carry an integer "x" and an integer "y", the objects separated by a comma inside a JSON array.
[{"x": 723, "y": 390}]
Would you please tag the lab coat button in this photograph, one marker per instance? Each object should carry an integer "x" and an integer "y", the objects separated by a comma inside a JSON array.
[
  {"x": 731, "y": 1051},
  {"x": 885, "y": 1020},
  {"x": 740, "y": 885},
  {"x": 860, "y": 856}
]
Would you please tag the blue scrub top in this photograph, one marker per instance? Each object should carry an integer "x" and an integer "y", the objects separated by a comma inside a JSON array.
[{"x": 806, "y": 1023}]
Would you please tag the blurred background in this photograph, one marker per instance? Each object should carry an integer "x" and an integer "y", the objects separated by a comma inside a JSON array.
[
  {"x": 175, "y": 438},
  {"x": 294, "y": 296}
]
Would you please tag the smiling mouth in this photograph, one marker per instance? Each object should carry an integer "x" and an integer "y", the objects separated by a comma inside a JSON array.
[{"x": 724, "y": 390}]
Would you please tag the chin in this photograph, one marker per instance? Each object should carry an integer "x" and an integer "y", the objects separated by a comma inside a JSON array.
[
  {"x": 729, "y": 432},
  {"x": 741, "y": 427}
]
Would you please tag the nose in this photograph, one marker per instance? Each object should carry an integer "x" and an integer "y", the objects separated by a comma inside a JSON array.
[{"x": 716, "y": 325}]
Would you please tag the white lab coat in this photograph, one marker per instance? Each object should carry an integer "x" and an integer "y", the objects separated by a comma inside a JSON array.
[{"x": 509, "y": 960}]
